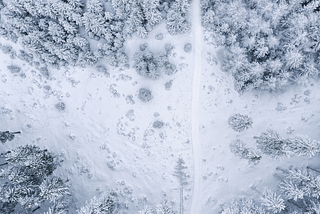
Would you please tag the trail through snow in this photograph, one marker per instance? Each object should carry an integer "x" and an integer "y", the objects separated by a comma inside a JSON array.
[{"x": 197, "y": 31}]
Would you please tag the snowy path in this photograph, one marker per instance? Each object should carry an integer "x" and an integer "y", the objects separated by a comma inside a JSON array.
[{"x": 197, "y": 31}]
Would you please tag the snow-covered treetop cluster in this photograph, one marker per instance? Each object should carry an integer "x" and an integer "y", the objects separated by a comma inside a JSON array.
[
  {"x": 58, "y": 32},
  {"x": 269, "y": 43}
]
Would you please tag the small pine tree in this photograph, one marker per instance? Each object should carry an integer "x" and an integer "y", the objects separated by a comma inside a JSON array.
[
  {"x": 272, "y": 144},
  {"x": 240, "y": 122}
]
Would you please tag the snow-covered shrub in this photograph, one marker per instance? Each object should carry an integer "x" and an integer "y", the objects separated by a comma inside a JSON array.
[
  {"x": 144, "y": 95},
  {"x": 60, "y": 106},
  {"x": 187, "y": 47},
  {"x": 157, "y": 124},
  {"x": 29, "y": 180},
  {"x": 103, "y": 69},
  {"x": 107, "y": 203},
  {"x": 239, "y": 122},
  {"x": 7, "y": 136},
  {"x": 14, "y": 68},
  {"x": 272, "y": 144},
  {"x": 6, "y": 49},
  {"x": 240, "y": 149},
  {"x": 159, "y": 36},
  {"x": 163, "y": 208}
]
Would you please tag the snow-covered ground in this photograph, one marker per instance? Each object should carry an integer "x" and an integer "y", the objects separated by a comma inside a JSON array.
[{"x": 105, "y": 133}]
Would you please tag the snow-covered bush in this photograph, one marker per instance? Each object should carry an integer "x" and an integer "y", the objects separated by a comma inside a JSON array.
[
  {"x": 268, "y": 44},
  {"x": 28, "y": 180},
  {"x": 187, "y": 47},
  {"x": 60, "y": 106},
  {"x": 272, "y": 144},
  {"x": 240, "y": 149},
  {"x": 157, "y": 124},
  {"x": 145, "y": 95},
  {"x": 239, "y": 122},
  {"x": 14, "y": 68},
  {"x": 163, "y": 208},
  {"x": 107, "y": 203},
  {"x": 7, "y": 136}
]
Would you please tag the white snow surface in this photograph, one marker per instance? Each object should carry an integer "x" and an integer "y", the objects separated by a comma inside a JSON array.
[{"x": 102, "y": 148}]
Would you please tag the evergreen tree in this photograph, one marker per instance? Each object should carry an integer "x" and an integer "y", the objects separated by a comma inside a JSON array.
[
  {"x": 107, "y": 203},
  {"x": 301, "y": 145},
  {"x": 182, "y": 176},
  {"x": 239, "y": 149},
  {"x": 272, "y": 144},
  {"x": 28, "y": 179},
  {"x": 273, "y": 202},
  {"x": 240, "y": 122}
]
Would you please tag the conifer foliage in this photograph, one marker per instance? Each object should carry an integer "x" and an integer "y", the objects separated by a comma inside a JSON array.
[
  {"x": 107, "y": 203},
  {"x": 268, "y": 44},
  {"x": 28, "y": 180}
]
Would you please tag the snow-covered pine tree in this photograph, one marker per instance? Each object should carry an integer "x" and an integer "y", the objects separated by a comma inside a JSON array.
[
  {"x": 271, "y": 143},
  {"x": 272, "y": 201},
  {"x": 53, "y": 188},
  {"x": 107, "y": 203},
  {"x": 146, "y": 210},
  {"x": 242, "y": 206},
  {"x": 182, "y": 176},
  {"x": 26, "y": 177},
  {"x": 239, "y": 148},
  {"x": 7, "y": 136},
  {"x": 163, "y": 208},
  {"x": 302, "y": 145},
  {"x": 146, "y": 65},
  {"x": 239, "y": 122},
  {"x": 40, "y": 162},
  {"x": 176, "y": 17},
  {"x": 122, "y": 8}
]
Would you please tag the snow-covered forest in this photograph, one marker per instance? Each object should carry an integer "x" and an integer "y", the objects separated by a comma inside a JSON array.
[{"x": 159, "y": 106}]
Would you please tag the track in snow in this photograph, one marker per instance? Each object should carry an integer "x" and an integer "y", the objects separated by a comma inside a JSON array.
[{"x": 197, "y": 33}]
